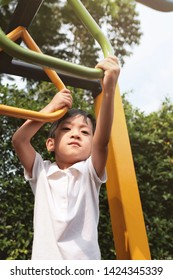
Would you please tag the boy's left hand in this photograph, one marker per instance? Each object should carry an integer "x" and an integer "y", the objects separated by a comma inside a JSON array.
[{"x": 111, "y": 68}]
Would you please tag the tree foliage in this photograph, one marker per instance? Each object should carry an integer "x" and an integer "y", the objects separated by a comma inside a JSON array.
[{"x": 15, "y": 197}]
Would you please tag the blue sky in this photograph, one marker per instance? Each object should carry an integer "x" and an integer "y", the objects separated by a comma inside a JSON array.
[{"x": 148, "y": 73}]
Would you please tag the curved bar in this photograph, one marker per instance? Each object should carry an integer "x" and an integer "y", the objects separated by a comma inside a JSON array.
[
  {"x": 160, "y": 5},
  {"x": 92, "y": 26},
  {"x": 31, "y": 115},
  {"x": 30, "y": 56}
]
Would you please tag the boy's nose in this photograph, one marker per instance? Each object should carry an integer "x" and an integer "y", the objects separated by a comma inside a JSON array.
[{"x": 75, "y": 134}]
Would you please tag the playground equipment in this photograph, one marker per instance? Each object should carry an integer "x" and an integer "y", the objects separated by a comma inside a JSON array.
[
  {"x": 21, "y": 32},
  {"x": 123, "y": 195},
  {"x": 160, "y": 5}
]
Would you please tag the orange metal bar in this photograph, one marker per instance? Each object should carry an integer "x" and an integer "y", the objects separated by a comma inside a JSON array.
[{"x": 21, "y": 32}]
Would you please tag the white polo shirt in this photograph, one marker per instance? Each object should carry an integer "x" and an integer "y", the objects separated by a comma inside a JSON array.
[{"x": 66, "y": 211}]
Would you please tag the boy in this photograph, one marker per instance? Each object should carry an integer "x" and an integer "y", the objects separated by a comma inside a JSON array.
[{"x": 66, "y": 192}]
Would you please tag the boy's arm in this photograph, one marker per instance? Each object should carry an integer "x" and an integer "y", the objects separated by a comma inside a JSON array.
[
  {"x": 22, "y": 137},
  {"x": 105, "y": 117}
]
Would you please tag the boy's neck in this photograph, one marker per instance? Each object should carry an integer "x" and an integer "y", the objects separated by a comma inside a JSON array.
[{"x": 64, "y": 165}]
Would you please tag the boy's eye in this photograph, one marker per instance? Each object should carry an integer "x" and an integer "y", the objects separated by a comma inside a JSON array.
[
  {"x": 85, "y": 132},
  {"x": 65, "y": 128}
]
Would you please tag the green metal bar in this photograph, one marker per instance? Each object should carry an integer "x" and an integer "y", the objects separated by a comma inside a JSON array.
[
  {"x": 92, "y": 26},
  {"x": 30, "y": 56}
]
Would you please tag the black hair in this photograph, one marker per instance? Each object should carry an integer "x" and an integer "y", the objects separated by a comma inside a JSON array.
[{"x": 72, "y": 113}]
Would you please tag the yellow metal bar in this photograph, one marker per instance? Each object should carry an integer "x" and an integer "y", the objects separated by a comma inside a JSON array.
[
  {"x": 124, "y": 202},
  {"x": 29, "y": 114},
  {"x": 21, "y": 32},
  {"x": 50, "y": 73}
]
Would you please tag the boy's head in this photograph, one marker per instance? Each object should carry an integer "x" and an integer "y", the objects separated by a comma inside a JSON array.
[
  {"x": 72, "y": 113},
  {"x": 70, "y": 138}
]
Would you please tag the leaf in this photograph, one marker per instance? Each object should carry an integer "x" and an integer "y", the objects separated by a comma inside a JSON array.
[{"x": 5, "y": 2}]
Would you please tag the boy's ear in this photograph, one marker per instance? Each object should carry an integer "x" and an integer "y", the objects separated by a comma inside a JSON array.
[{"x": 50, "y": 144}]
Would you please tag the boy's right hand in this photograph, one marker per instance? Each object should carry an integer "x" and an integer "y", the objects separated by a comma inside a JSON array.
[
  {"x": 21, "y": 138},
  {"x": 61, "y": 99}
]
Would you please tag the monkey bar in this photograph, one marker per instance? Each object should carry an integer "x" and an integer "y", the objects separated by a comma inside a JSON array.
[{"x": 124, "y": 202}]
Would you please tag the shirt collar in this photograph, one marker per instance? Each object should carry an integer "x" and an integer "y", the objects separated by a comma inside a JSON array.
[{"x": 53, "y": 168}]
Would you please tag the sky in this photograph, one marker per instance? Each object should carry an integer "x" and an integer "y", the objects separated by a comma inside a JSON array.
[{"x": 147, "y": 75}]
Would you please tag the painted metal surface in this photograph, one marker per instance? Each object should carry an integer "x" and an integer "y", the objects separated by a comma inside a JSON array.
[{"x": 160, "y": 5}]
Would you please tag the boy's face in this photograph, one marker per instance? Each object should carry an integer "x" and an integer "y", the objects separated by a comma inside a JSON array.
[{"x": 73, "y": 141}]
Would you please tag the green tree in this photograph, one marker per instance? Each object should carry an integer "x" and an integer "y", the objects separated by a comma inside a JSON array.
[
  {"x": 6, "y": 10},
  {"x": 15, "y": 197}
]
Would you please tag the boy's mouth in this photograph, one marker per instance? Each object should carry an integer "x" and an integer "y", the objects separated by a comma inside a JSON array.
[{"x": 74, "y": 143}]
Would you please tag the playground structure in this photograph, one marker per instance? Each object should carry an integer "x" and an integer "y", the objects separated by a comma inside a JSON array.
[
  {"x": 160, "y": 5},
  {"x": 124, "y": 202}
]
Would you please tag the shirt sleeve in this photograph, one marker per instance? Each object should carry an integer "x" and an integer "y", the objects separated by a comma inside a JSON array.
[
  {"x": 94, "y": 175},
  {"x": 37, "y": 167}
]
